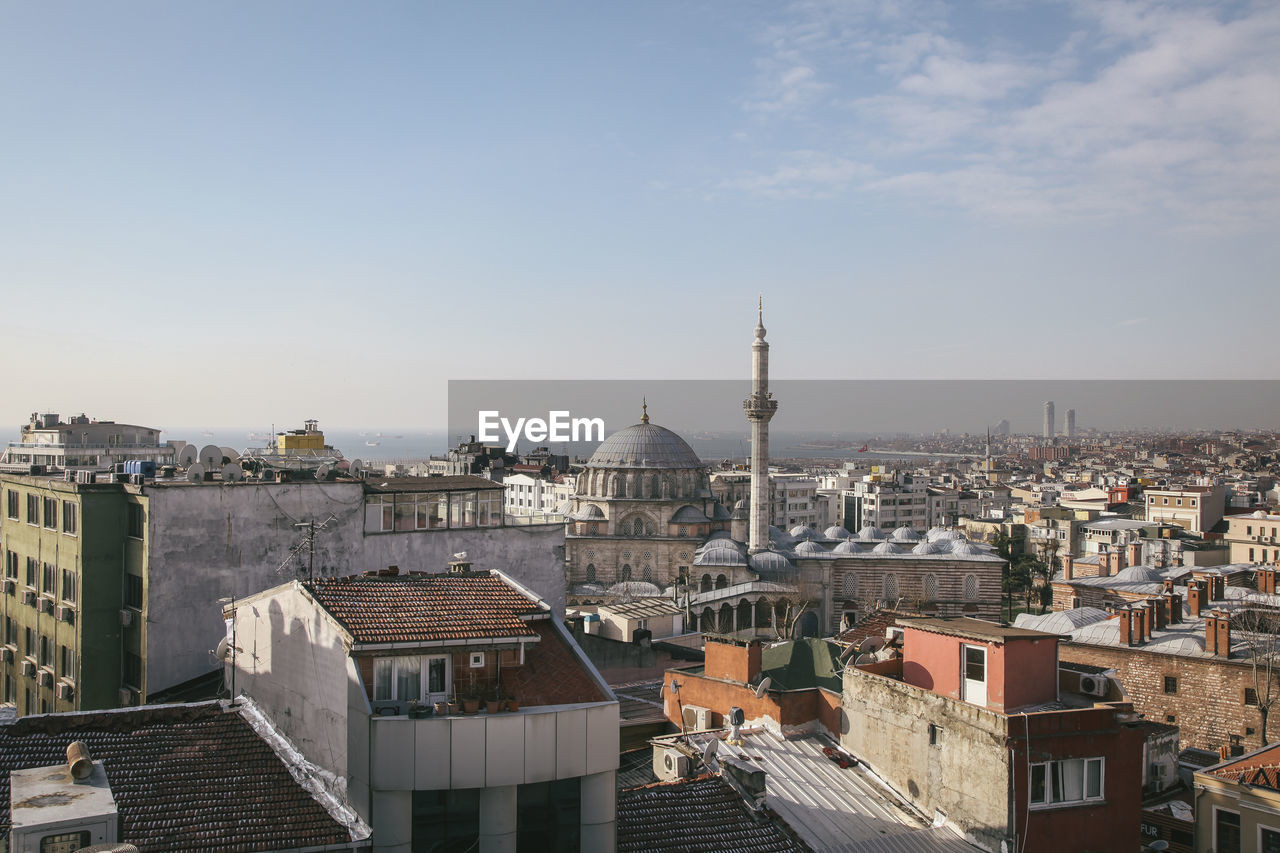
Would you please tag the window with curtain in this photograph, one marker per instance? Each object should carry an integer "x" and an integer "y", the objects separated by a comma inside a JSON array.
[{"x": 1065, "y": 782}]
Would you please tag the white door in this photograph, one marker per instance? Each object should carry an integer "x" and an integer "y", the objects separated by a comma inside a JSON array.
[{"x": 973, "y": 675}]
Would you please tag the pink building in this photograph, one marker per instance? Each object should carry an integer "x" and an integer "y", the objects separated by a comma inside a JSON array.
[{"x": 981, "y": 663}]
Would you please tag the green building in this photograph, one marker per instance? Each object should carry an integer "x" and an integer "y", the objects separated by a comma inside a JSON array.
[{"x": 72, "y": 594}]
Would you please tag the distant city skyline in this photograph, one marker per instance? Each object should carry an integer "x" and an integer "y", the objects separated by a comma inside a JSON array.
[{"x": 226, "y": 213}]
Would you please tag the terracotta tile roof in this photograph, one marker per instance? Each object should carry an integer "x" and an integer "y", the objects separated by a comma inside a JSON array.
[
  {"x": 701, "y": 814},
  {"x": 184, "y": 777},
  {"x": 423, "y": 608},
  {"x": 874, "y": 625},
  {"x": 552, "y": 673}
]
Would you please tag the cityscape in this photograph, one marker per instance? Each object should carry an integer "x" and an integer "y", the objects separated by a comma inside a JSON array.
[{"x": 660, "y": 428}]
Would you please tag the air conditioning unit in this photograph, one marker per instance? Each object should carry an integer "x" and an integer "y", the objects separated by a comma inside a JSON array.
[
  {"x": 45, "y": 604},
  {"x": 66, "y": 690},
  {"x": 126, "y": 618},
  {"x": 1094, "y": 685},
  {"x": 696, "y": 718},
  {"x": 669, "y": 763},
  {"x": 28, "y": 596},
  {"x": 128, "y": 697},
  {"x": 45, "y": 677},
  {"x": 8, "y": 653},
  {"x": 28, "y": 667},
  {"x": 65, "y": 614}
]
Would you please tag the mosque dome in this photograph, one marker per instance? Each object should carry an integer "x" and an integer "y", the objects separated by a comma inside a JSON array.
[
  {"x": 886, "y": 547},
  {"x": 926, "y": 547},
  {"x": 836, "y": 532},
  {"x": 847, "y": 547},
  {"x": 870, "y": 531},
  {"x": 904, "y": 534},
  {"x": 809, "y": 548},
  {"x": 771, "y": 564},
  {"x": 644, "y": 445}
]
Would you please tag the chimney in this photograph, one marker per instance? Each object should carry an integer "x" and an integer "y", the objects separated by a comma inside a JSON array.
[
  {"x": 733, "y": 661},
  {"x": 1168, "y": 585},
  {"x": 1175, "y": 599},
  {"x": 1162, "y": 613},
  {"x": 1145, "y": 612},
  {"x": 1068, "y": 567},
  {"x": 1224, "y": 634},
  {"x": 1263, "y": 582},
  {"x": 1211, "y": 632},
  {"x": 1135, "y": 553},
  {"x": 1104, "y": 562},
  {"x": 1118, "y": 560},
  {"x": 1126, "y": 626},
  {"x": 1177, "y": 559},
  {"x": 1195, "y": 597},
  {"x": 1219, "y": 584}
]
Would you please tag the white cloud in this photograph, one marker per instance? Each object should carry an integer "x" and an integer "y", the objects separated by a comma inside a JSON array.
[
  {"x": 1141, "y": 108},
  {"x": 804, "y": 174}
]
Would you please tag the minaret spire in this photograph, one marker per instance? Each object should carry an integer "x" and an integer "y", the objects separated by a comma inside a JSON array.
[
  {"x": 644, "y": 410},
  {"x": 760, "y": 407}
]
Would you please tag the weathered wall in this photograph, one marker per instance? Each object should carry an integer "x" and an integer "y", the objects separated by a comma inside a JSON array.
[
  {"x": 293, "y": 661},
  {"x": 966, "y": 775},
  {"x": 1208, "y": 706},
  {"x": 215, "y": 540}
]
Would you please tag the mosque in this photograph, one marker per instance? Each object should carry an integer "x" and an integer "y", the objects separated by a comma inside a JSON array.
[{"x": 644, "y": 523}]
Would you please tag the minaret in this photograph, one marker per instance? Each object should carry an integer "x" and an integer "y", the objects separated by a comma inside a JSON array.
[{"x": 759, "y": 407}]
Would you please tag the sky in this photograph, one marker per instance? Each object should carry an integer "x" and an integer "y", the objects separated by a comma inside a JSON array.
[{"x": 224, "y": 214}]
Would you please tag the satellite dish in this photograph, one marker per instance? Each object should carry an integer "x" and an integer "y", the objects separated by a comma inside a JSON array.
[
  {"x": 224, "y": 649},
  {"x": 232, "y": 472},
  {"x": 322, "y": 472},
  {"x": 187, "y": 455},
  {"x": 230, "y": 453},
  {"x": 211, "y": 455},
  {"x": 357, "y": 467},
  {"x": 709, "y": 751},
  {"x": 195, "y": 472},
  {"x": 870, "y": 644},
  {"x": 763, "y": 687},
  {"x": 864, "y": 659}
]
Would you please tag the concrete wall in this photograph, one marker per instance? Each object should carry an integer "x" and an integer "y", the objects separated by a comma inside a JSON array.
[
  {"x": 966, "y": 775},
  {"x": 293, "y": 661},
  {"x": 214, "y": 540}
]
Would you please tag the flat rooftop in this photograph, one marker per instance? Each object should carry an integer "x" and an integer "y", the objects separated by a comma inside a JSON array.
[{"x": 975, "y": 629}]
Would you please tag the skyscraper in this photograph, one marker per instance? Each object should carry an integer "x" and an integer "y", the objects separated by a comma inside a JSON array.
[
  {"x": 1048, "y": 419},
  {"x": 759, "y": 407},
  {"x": 1070, "y": 428}
]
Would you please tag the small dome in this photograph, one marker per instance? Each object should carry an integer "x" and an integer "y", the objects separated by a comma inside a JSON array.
[
  {"x": 771, "y": 563},
  {"x": 836, "y": 532},
  {"x": 935, "y": 532},
  {"x": 801, "y": 531},
  {"x": 1139, "y": 574},
  {"x": 780, "y": 536},
  {"x": 926, "y": 547},
  {"x": 963, "y": 548},
  {"x": 904, "y": 534},
  {"x": 809, "y": 548},
  {"x": 944, "y": 535},
  {"x": 590, "y": 512},
  {"x": 848, "y": 546},
  {"x": 689, "y": 515},
  {"x": 720, "y": 557},
  {"x": 742, "y": 504},
  {"x": 870, "y": 531},
  {"x": 635, "y": 589},
  {"x": 886, "y": 547}
]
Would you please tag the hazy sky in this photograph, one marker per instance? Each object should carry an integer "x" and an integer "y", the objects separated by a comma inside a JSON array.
[{"x": 238, "y": 213}]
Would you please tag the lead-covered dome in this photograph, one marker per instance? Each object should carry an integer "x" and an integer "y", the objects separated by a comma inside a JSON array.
[{"x": 644, "y": 445}]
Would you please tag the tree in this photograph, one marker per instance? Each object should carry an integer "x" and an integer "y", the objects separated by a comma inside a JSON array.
[{"x": 1257, "y": 631}]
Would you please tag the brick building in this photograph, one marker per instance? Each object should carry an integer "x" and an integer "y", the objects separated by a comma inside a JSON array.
[{"x": 1176, "y": 641}]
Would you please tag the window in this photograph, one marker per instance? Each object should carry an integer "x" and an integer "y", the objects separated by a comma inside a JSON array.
[
  {"x": 11, "y": 498},
  {"x": 1268, "y": 840},
  {"x": 477, "y": 660},
  {"x": 401, "y": 679},
  {"x": 46, "y": 651},
  {"x": 133, "y": 670},
  {"x": 462, "y": 509},
  {"x": 591, "y": 572},
  {"x": 70, "y": 518},
  {"x": 890, "y": 587},
  {"x": 1170, "y": 684},
  {"x": 849, "y": 585},
  {"x": 1250, "y": 696},
  {"x": 33, "y": 509},
  {"x": 935, "y": 735},
  {"x": 133, "y": 591},
  {"x": 33, "y": 569},
  {"x": 64, "y": 842},
  {"x": 1066, "y": 782},
  {"x": 1226, "y": 831},
  {"x": 51, "y": 513},
  {"x": 48, "y": 575},
  {"x": 66, "y": 663},
  {"x": 930, "y": 587},
  {"x": 11, "y": 565},
  {"x": 68, "y": 586},
  {"x": 137, "y": 521},
  {"x": 970, "y": 587}
]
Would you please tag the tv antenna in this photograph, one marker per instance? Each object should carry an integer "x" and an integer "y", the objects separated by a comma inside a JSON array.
[{"x": 307, "y": 545}]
